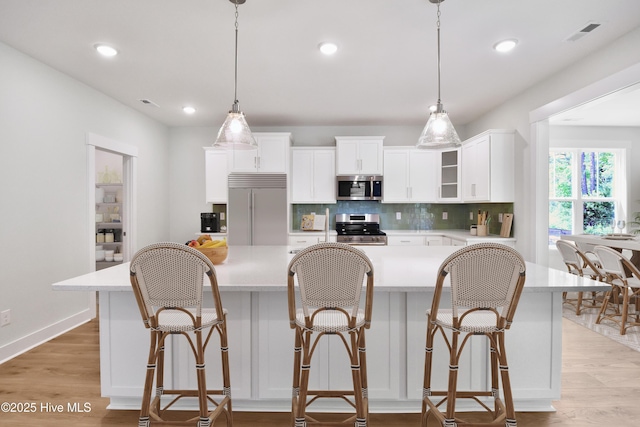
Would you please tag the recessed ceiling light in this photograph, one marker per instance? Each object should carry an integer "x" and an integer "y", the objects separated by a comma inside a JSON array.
[
  {"x": 105, "y": 50},
  {"x": 505, "y": 45},
  {"x": 188, "y": 110},
  {"x": 328, "y": 48}
]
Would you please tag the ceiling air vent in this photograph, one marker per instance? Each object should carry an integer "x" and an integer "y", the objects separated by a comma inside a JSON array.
[
  {"x": 583, "y": 31},
  {"x": 149, "y": 103}
]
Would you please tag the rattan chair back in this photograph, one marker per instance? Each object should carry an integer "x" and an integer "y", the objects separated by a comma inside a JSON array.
[
  {"x": 483, "y": 276},
  {"x": 577, "y": 261},
  {"x": 169, "y": 275},
  {"x": 331, "y": 275}
]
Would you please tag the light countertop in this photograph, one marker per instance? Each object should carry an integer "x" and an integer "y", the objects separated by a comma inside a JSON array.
[
  {"x": 396, "y": 269},
  {"x": 454, "y": 234}
]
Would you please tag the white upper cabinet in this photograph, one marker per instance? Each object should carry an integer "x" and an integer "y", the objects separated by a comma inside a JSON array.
[
  {"x": 449, "y": 175},
  {"x": 487, "y": 167},
  {"x": 359, "y": 155},
  {"x": 410, "y": 175},
  {"x": 215, "y": 175},
  {"x": 313, "y": 175},
  {"x": 271, "y": 156}
]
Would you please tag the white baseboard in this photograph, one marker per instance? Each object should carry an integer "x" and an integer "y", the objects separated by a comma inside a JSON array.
[{"x": 26, "y": 343}]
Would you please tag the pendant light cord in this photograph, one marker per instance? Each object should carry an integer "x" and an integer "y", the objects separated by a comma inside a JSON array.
[
  {"x": 438, "y": 30},
  {"x": 235, "y": 93}
]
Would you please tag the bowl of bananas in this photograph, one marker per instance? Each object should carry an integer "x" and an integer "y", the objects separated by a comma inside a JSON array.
[{"x": 215, "y": 250}]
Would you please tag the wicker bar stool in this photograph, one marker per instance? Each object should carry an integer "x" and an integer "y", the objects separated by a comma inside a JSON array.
[
  {"x": 624, "y": 278},
  {"x": 167, "y": 280},
  {"x": 486, "y": 282},
  {"x": 583, "y": 265},
  {"x": 330, "y": 278}
]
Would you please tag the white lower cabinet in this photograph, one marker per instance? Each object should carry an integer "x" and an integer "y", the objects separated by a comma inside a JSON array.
[
  {"x": 330, "y": 366},
  {"x": 434, "y": 240},
  {"x": 405, "y": 240},
  {"x": 450, "y": 241},
  {"x": 304, "y": 241}
]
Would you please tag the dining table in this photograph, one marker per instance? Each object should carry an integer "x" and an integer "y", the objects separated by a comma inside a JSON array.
[{"x": 618, "y": 241}]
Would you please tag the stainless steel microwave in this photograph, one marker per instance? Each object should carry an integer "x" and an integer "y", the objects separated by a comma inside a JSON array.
[{"x": 359, "y": 187}]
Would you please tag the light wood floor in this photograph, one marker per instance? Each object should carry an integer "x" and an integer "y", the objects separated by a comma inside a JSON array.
[{"x": 600, "y": 386}]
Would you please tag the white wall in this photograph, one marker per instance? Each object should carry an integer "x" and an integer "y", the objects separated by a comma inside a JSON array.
[
  {"x": 44, "y": 119},
  {"x": 514, "y": 114}
]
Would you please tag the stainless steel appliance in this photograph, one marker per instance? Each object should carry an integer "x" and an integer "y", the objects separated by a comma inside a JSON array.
[
  {"x": 359, "y": 187},
  {"x": 360, "y": 229},
  {"x": 257, "y": 209}
]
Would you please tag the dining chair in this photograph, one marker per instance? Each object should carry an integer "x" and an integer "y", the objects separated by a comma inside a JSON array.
[
  {"x": 168, "y": 283},
  {"x": 583, "y": 265},
  {"x": 624, "y": 278},
  {"x": 486, "y": 280},
  {"x": 325, "y": 289}
]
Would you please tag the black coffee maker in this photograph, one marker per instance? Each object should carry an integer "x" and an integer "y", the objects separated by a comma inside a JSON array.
[{"x": 209, "y": 222}]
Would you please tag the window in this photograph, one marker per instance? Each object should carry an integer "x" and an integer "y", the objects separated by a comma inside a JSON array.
[{"x": 586, "y": 193}]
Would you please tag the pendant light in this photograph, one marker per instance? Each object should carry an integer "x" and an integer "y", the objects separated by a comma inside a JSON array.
[
  {"x": 235, "y": 132},
  {"x": 438, "y": 132}
]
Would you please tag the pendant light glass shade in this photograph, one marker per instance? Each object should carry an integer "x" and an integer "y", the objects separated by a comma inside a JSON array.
[
  {"x": 235, "y": 133},
  {"x": 439, "y": 131}
]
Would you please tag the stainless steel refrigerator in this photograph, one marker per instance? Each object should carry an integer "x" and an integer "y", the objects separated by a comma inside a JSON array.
[{"x": 257, "y": 209}]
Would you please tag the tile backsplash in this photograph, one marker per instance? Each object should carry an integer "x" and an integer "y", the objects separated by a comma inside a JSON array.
[{"x": 413, "y": 216}]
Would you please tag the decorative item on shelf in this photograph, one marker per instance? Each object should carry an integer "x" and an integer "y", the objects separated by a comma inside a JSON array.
[
  {"x": 313, "y": 222},
  {"x": 99, "y": 195},
  {"x": 100, "y": 236},
  {"x": 109, "y": 236},
  {"x": 438, "y": 132},
  {"x": 108, "y": 255},
  {"x": 235, "y": 132}
]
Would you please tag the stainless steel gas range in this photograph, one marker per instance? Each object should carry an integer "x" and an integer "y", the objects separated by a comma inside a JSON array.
[{"x": 360, "y": 229}]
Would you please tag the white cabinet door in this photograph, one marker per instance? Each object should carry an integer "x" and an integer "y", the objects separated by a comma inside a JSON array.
[
  {"x": 396, "y": 175},
  {"x": 405, "y": 240},
  {"x": 324, "y": 176},
  {"x": 359, "y": 155},
  {"x": 313, "y": 178},
  {"x": 410, "y": 175},
  {"x": 271, "y": 155},
  {"x": 301, "y": 175},
  {"x": 216, "y": 175},
  {"x": 487, "y": 167},
  {"x": 371, "y": 159},
  {"x": 476, "y": 169},
  {"x": 434, "y": 240},
  {"x": 423, "y": 176}
]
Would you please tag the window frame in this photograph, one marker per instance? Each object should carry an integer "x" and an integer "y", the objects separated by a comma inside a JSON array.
[{"x": 619, "y": 185}]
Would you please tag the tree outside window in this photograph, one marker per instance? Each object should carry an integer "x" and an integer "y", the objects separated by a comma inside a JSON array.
[{"x": 582, "y": 195}]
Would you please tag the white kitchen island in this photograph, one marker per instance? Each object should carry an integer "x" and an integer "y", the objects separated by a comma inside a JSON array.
[{"x": 253, "y": 288}]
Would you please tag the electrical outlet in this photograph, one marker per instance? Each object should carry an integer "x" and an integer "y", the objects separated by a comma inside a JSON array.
[
  {"x": 222, "y": 216},
  {"x": 398, "y": 216},
  {"x": 5, "y": 317},
  {"x": 471, "y": 216},
  {"x": 445, "y": 215},
  {"x": 499, "y": 217}
]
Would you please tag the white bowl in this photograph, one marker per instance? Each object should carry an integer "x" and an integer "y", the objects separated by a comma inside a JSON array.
[{"x": 99, "y": 255}]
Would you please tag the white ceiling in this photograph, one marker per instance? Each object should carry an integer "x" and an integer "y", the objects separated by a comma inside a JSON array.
[{"x": 179, "y": 52}]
